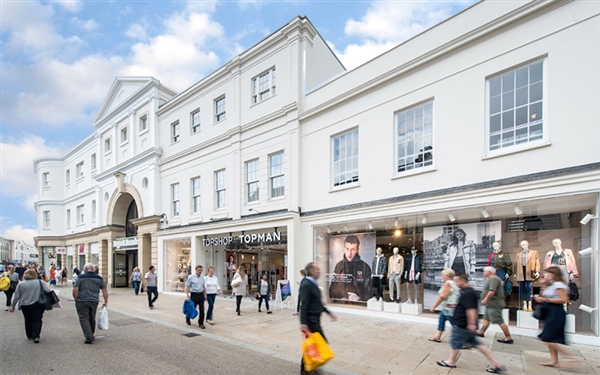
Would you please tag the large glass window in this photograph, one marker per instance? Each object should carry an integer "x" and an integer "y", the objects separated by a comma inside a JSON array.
[
  {"x": 195, "y": 195},
  {"x": 516, "y": 100},
  {"x": 345, "y": 158},
  {"x": 175, "y": 200},
  {"x": 414, "y": 137},
  {"x": 276, "y": 175},
  {"x": 220, "y": 189},
  {"x": 252, "y": 180},
  {"x": 263, "y": 86}
]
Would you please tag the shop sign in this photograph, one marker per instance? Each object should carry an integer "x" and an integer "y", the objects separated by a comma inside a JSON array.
[
  {"x": 61, "y": 250},
  {"x": 81, "y": 249},
  {"x": 244, "y": 239},
  {"x": 125, "y": 242}
]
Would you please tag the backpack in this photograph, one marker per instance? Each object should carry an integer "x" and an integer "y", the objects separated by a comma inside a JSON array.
[
  {"x": 5, "y": 282},
  {"x": 573, "y": 291}
]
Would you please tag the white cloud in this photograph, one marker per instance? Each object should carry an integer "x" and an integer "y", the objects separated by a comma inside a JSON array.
[
  {"x": 136, "y": 31},
  {"x": 87, "y": 25},
  {"x": 73, "y": 6},
  {"x": 17, "y": 232}
]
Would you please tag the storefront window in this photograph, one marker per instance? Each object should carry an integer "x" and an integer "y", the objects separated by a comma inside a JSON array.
[{"x": 177, "y": 265}]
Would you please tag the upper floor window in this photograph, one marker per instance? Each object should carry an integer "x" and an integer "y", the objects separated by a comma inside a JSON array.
[
  {"x": 175, "y": 200},
  {"x": 94, "y": 162},
  {"x": 345, "y": 158},
  {"x": 79, "y": 169},
  {"x": 94, "y": 211},
  {"x": 124, "y": 135},
  {"x": 175, "y": 132},
  {"x": 252, "y": 180},
  {"x": 46, "y": 179},
  {"x": 195, "y": 195},
  {"x": 68, "y": 218},
  {"x": 263, "y": 86},
  {"x": 107, "y": 145},
  {"x": 220, "y": 188},
  {"x": 220, "y": 109},
  {"x": 276, "y": 175},
  {"x": 414, "y": 137},
  {"x": 68, "y": 176},
  {"x": 195, "y": 121},
  {"x": 143, "y": 123},
  {"x": 80, "y": 214},
  {"x": 516, "y": 101},
  {"x": 46, "y": 218}
]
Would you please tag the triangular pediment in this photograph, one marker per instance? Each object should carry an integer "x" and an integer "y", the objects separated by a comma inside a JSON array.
[{"x": 121, "y": 90}]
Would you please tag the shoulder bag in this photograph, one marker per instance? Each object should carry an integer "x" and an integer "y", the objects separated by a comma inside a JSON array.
[
  {"x": 237, "y": 281},
  {"x": 47, "y": 299},
  {"x": 540, "y": 311}
]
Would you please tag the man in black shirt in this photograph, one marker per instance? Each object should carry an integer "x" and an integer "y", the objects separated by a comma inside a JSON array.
[{"x": 464, "y": 327}]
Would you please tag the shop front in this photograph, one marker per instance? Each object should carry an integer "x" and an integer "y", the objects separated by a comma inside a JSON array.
[{"x": 520, "y": 239}]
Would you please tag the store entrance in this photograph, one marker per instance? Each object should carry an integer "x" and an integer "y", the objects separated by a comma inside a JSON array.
[
  {"x": 123, "y": 263},
  {"x": 257, "y": 262}
]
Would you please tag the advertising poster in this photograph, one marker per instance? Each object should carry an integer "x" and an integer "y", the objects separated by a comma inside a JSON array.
[
  {"x": 350, "y": 260},
  {"x": 463, "y": 247}
]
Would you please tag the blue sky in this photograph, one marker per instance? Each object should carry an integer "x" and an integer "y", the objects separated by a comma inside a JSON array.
[{"x": 59, "y": 59}]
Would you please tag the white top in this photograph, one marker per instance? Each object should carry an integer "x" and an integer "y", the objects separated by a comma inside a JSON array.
[
  {"x": 150, "y": 278},
  {"x": 550, "y": 291},
  {"x": 240, "y": 290},
  {"x": 212, "y": 285}
]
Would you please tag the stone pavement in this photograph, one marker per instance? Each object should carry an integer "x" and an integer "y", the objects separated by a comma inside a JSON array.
[{"x": 364, "y": 342}]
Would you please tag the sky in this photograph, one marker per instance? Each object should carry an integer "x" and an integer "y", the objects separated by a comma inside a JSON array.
[{"x": 58, "y": 60}]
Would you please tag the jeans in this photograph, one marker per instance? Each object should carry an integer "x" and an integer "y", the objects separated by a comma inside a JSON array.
[
  {"x": 525, "y": 290},
  {"x": 211, "y": 303},
  {"x": 238, "y": 302},
  {"x": 442, "y": 321},
  {"x": 87, "y": 318},
  {"x": 198, "y": 299},
  {"x": 136, "y": 287},
  {"x": 33, "y": 315},
  {"x": 264, "y": 297},
  {"x": 152, "y": 290},
  {"x": 501, "y": 274},
  {"x": 9, "y": 293}
]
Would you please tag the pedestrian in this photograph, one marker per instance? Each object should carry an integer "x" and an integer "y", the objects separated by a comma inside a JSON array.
[
  {"x": 58, "y": 276},
  {"x": 76, "y": 274},
  {"x": 303, "y": 274},
  {"x": 212, "y": 288},
  {"x": 85, "y": 293},
  {"x": 27, "y": 295},
  {"x": 136, "y": 279},
  {"x": 151, "y": 286},
  {"x": 447, "y": 299},
  {"x": 465, "y": 327},
  {"x": 492, "y": 297},
  {"x": 554, "y": 296},
  {"x": 42, "y": 273},
  {"x": 195, "y": 289},
  {"x": 264, "y": 292},
  {"x": 14, "y": 280},
  {"x": 311, "y": 305},
  {"x": 20, "y": 270},
  {"x": 64, "y": 276},
  {"x": 240, "y": 286},
  {"x": 53, "y": 275}
]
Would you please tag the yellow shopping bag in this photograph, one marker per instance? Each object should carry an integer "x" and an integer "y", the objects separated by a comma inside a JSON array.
[{"x": 316, "y": 352}]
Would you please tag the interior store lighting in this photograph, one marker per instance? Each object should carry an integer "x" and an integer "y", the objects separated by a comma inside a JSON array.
[
  {"x": 319, "y": 238},
  {"x": 587, "y": 251},
  {"x": 396, "y": 222},
  {"x": 370, "y": 226},
  {"x": 518, "y": 210},
  {"x": 587, "y": 309},
  {"x": 485, "y": 214},
  {"x": 451, "y": 217},
  {"x": 424, "y": 220},
  {"x": 328, "y": 230},
  {"x": 397, "y": 233},
  {"x": 586, "y": 219},
  {"x": 345, "y": 228}
]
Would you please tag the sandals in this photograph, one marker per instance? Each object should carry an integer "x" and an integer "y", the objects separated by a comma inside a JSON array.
[
  {"x": 434, "y": 339},
  {"x": 495, "y": 370},
  {"x": 444, "y": 364}
]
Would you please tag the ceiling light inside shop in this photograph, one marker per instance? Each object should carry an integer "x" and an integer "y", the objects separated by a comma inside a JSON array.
[
  {"x": 485, "y": 214},
  {"x": 396, "y": 222},
  {"x": 318, "y": 238},
  {"x": 370, "y": 226},
  {"x": 397, "y": 233},
  {"x": 345, "y": 228},
  {"x": 328, "y": 230},
  {"x": 586, "y": 219},
  {"x": 451, "y": 217},
  {"x": 518, "y": 210},
  {"x": 424, "y": 220}
]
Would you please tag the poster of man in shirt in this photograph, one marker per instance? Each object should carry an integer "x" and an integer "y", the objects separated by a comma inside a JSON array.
[
  {"x": 350, "y": 272},
  {"x": 461, "y": 247}
]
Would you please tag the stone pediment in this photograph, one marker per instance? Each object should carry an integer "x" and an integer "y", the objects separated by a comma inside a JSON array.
[{"x": 122, "y": 89}]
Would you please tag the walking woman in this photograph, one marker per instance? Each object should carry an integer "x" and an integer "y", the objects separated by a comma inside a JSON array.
[
  {"x": 27, "y": 295},
  {"x": 212, "y": 288},
  {"x": 554, "y": 297},
  {"x": 64, "y": 276},
  {"x": 264, "y": 292},
  {"x": 447, "y": 299},
  {"x": 53, "y": 275},
  {"x": 136, "y": 279},
  {"x": 14, "y": 280},
  {"x": 239, "y": 285}
]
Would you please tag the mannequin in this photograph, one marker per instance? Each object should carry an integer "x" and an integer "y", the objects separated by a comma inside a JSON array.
[
  {"x": 528, "y": 270},
  {"x": 412, "y": 274},
  {"x": 500, "y": 260},
  {"x": 395, "y": 268},
  {"x": 562, "y": 258},
  {"x": 379, "y": 267}
]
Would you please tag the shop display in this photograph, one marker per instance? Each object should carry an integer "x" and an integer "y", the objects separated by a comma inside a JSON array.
[
  {"x": 379, "y": 267},
  {"x": 412, "y": 274},
  {"x": 562, "y": 258},
  {"x": 527, "y": 267},
  {"x": 180, "y": 270},
  {"x": 500, "y": 260},
  {"x": 395, "y": 270},
  {"x": 350, "y": 279}
]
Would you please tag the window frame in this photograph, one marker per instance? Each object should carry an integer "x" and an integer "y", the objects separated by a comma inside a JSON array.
[
  {"x": 45, "y": 179},
  {"x": 196, "y": 195},
  {"x": 68, "y": 177},
  {"x": 107, "y": 145},
  {"x": 46, "y": 219},
  {"x": 79, "y": 170},
  {"x": 80, "y": 213},
  {"x": 124, "y": 133},
  {"x": 252, "y": 180},
  {"x": 277, "y": 176},
  {"x": 195, "y": 127},
  {"x": 68, "y": 218},
  {"x": 94, "y": 162},
  {"x": 143, "y": 123},
  {"x": 175, "y": 137},
  {"x": 175, "y": 200},
  {"x": 94, "y": 210},
  {"x": 356, "y": 179},
  {"x": 220, "y": 116},
  {"x": 220, "y": 192},
  {"x": 426, "y": 165},
  {"x": 258, "y": 95}
]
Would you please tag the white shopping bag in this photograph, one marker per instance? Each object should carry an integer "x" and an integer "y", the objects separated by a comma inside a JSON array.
[{"x": 103, "y": 319}]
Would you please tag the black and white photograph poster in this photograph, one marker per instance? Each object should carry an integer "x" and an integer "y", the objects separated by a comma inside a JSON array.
[{"x": 350, "y": 260}]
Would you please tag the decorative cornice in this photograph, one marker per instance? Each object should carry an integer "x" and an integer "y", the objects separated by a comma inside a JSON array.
[{"x": 153, "y": 152}]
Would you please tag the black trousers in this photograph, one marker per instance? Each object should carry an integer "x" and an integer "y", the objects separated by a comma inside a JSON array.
[
  {"x": 377, "y": 288},
  {"x": 87, "y": 318},
  {"x": 198, "y": 299},
  {"x": 313, "y": 326},
  {"x": 9, "y": 293},
  {"x": 238, "y": 302},
  {"x": 33, "y": 315}
]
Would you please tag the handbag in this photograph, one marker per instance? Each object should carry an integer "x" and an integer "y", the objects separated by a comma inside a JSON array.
[
  {"x": 5, "y": 282},
  {"x": 237, "y": 281},
  {"x": 573, "y": 291},
  {"x": 316, "y": 352},
  {"x": 44, "y": 299},
  {"x": 539, "y": 312}
]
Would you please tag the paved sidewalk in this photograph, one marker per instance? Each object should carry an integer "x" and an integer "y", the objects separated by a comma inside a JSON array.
[{"x": 369, "y": 343}]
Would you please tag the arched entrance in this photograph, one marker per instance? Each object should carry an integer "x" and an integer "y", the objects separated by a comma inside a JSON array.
[{"x": 125, "y": 249}]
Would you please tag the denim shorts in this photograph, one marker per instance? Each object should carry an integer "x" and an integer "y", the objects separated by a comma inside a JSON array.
[{"x": 461, "y": 336}]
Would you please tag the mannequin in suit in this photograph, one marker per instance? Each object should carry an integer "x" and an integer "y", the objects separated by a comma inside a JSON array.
[
  {"x": 395, "y": 269},
  {"x": 412, "y": 274},
  {"x": 378, "y": 268},
  {"x": 562, "y": 258},
  {"x": 528, "y": 268}
]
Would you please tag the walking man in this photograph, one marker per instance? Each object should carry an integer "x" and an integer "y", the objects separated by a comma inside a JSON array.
[
  {"x": 311, "y": 306},
  {"x": 195, "y": 289},
  {"x": 492, "y": 297},
  {"x": 465, "y": 327},
  {"x": 85, "y": 293},
  {"x": 151, "y": 286}
]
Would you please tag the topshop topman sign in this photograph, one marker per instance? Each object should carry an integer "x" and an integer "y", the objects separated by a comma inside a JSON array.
[{"x": 244, "y": 239}]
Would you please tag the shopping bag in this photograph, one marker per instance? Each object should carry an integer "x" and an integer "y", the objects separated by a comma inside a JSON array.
[
  {"x": 316, "y": 352},
  {"x": 5, "y": 282},
  {"x": 103, "y": 319}
]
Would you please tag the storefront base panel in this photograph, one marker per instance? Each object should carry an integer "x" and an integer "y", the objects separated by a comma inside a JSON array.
[{"x": 431, "y": 319}]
